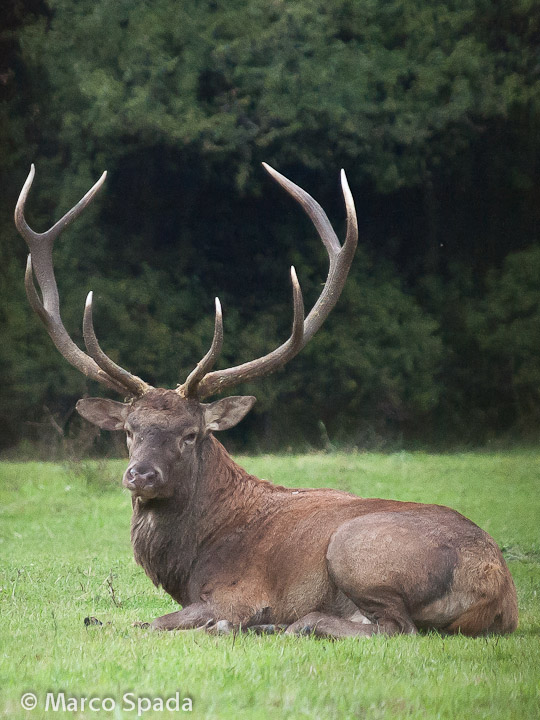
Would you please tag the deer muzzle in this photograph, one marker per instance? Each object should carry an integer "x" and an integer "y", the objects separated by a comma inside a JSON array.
[{"x": 144, "y": 480}]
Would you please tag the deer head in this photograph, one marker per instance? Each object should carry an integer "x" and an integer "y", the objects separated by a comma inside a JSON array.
[{"x": 167, "y": 429}]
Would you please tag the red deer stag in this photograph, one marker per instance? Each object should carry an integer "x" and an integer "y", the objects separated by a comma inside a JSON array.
[{"x": 236, "y": 551}]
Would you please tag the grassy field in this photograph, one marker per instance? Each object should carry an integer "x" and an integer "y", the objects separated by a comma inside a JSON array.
[{"x": 65, "y": 555}]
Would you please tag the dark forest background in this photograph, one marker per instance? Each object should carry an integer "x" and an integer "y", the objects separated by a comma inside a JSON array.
[{"x": 433, "y": 109}]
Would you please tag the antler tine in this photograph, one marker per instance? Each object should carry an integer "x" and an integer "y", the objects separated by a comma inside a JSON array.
[
  {"x": 40, "y": 263},
  {"x": 27, "y": 232},
  {"x": 340, "y": 262},
  {"x": 134, "y": 384},
  {"x": 189, "y": 388},
  {"x": 297, "y": 334},
  {"x": 340, "y": 257},
  {"x": 219, "y": 380},
  {"x": 315, "y": 212},
  {"x": 31, "y": 292},
  {"x": 41, "y": 244},
  {"x": 268, "y": 363}
]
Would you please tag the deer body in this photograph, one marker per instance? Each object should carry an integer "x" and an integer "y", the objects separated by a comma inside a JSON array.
[
  {"x": 276, "y": 556},
  {"x": 236, "y": 551}
]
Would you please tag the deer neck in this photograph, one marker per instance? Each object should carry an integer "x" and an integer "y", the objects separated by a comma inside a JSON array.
[
  {"x": 227, "y": 496},
  {"x": 168, "y": 536}
]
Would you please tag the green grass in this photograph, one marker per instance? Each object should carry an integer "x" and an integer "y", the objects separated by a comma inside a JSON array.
[{"x": 65, "y": 555}]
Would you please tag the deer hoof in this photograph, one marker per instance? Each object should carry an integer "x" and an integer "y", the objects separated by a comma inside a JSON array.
[
  {"x": 266, "y": 629},
  {"x": 221, "y": 627}
]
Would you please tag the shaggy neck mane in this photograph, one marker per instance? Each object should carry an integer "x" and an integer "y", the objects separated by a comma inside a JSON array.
[{"x": 168, "y": 536}]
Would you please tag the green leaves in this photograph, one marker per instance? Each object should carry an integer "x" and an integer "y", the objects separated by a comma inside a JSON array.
[
  {"x": 507, "y": 325},
  {"x": 433, "y": 110}
]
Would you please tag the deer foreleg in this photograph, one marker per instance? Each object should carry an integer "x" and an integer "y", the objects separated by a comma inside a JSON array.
[{"x": 198, "y": 615}]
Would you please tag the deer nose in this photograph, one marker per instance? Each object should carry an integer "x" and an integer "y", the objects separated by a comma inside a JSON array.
[{"x": 140, "y": 475}]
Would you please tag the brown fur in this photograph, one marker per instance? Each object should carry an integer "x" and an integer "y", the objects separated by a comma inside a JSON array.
[{"x": 231, "y": 547}]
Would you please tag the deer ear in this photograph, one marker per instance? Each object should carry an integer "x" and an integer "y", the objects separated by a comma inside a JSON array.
[
  {"x": 106, "y": 414},
  {"x": 226, "y": 413}
]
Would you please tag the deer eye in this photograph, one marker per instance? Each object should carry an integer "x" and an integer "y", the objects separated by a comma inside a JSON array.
[{"x": 190, "y": 438}]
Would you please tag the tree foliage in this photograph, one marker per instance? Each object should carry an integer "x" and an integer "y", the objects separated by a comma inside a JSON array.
[
  {"x": 433, "y": 108},
  {"x": 506, "y": 323}
]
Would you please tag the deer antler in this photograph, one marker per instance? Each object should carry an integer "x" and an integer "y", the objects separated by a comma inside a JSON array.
[
  {"x": 189, "y": 388},
  {"x": 303, "y": 330},
  {"x": 97, "y": 365},
  {"x": 201, "y": 382},
  {"x": 132, "y": 383}
]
